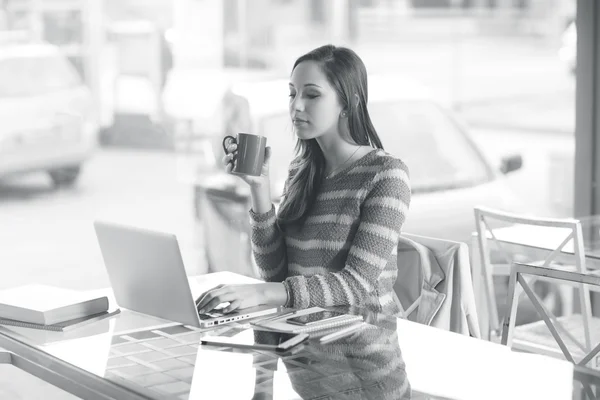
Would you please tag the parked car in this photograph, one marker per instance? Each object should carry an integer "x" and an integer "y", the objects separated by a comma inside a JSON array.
[
  {"x": 449, "y": 173},
  {"x": 47, "y": 113}
]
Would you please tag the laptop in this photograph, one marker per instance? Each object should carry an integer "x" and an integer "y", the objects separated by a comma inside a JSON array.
[{"x": 147, "y": 275}]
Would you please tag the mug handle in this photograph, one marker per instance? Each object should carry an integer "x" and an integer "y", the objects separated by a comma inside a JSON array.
[{"x": 225, "y": 139}]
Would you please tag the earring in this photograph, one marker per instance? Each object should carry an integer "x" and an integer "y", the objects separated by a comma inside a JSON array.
[{"x": 343, "y": 114}]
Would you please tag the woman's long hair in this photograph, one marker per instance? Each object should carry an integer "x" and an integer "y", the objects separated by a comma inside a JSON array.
[{"x": 347, "y": 74}]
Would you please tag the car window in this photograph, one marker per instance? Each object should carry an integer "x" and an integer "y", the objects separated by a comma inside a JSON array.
[
  {"x": 431, "y": 144},
  {"x": 27, "y": 76}
]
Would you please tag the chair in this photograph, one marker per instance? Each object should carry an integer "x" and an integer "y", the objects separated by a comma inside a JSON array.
[
  {"x": 573, "y": 327},
  {"x": 565, "y": 239},
  {"x": 434, "y": 284},
  {"x": 489, "y": 220}
]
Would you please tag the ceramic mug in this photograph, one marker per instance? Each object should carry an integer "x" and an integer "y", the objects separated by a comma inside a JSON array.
[{"x": 250, "y": 155}]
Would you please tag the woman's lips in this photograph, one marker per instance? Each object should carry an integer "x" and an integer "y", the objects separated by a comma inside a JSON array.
[{"x": 300, "y": 122}]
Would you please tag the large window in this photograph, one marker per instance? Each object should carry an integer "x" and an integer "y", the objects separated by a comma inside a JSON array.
[{"x": 499, "y": 76}]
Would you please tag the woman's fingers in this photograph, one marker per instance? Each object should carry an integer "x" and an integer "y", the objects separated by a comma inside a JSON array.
[
  {"x": 207, "y": 298},
  {"x": 218, "y": 299},
  {"x": 228, "y": 157},
  {"x": 214, "y": 297},
  {"x": 265, "y": 167},
  {"x": 229, "y": 160},
  {"x": 202, "y": 299},
  {"x": 234, "y": 305}
]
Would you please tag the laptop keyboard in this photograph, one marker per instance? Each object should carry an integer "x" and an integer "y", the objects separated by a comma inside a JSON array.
[{"x": 161, "y": 360}]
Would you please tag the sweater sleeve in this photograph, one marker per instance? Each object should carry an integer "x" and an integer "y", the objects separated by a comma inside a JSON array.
[
  {"x": 382, "y": 215},
  {"x": 268, "y": 242},
  {"x": 268, "y": 246}
]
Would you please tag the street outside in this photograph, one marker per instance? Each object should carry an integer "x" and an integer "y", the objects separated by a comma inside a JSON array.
[{"x": 517, "y": 97}]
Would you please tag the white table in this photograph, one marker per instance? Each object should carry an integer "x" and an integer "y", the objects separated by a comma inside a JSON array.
[{"x": 438, "y": 363}]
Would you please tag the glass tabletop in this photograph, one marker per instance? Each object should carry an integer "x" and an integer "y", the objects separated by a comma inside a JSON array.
[
  {"x": 389, "y": 359},
  {"x": 134, "y": 356},
  {"x": 168, "y": 361}
]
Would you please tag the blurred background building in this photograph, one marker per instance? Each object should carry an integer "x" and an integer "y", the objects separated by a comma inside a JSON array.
[{"x": 125, "y": 49}]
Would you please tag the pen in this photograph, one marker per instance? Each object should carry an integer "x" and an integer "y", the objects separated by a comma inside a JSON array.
[{"x": 341, "y": 333}]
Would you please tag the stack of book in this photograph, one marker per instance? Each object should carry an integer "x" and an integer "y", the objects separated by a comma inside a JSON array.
[{"x": 51, "y": 308}]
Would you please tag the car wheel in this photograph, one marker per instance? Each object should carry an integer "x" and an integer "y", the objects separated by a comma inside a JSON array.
[{"x": 66, "y": 176}]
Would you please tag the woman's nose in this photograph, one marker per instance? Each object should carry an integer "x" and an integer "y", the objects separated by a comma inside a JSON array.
[{"x": 297, "y": 104}]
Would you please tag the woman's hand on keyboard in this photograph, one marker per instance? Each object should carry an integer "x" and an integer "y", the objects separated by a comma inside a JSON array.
[{"x": 242, "y": 296}]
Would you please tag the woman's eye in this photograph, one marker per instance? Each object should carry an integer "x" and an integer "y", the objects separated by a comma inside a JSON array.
[
  {"x": 312, "y": 96},
  {"x": 292, "y": 95}
]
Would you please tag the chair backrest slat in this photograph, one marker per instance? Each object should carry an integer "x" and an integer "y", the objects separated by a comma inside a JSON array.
[{"x": 557, "y": 250}]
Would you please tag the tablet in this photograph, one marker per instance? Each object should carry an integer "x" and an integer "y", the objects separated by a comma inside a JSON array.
[{"x": 257, "y": 339}]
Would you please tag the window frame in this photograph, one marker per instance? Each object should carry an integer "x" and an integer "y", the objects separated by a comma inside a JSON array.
[{"x": 587, "y": 110}]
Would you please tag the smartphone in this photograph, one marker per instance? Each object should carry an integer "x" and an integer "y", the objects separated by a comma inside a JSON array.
[
  {"x": 258, "y": 340},
  {"x": 316, "y": 317}
]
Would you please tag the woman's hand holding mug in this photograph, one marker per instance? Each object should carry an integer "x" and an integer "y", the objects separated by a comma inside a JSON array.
[{"x": 247, "y": 156}]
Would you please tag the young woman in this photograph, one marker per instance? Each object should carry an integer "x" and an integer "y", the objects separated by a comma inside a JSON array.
[{"x": 334, "y": 239}]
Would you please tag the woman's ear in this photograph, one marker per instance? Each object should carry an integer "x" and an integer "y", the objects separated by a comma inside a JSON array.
[
  {"x": 343, "y": 124},
  {"x": 356, "y": 100}
]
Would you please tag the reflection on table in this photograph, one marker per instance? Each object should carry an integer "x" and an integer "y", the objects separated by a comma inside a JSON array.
[{"x": 365, "y": 365}]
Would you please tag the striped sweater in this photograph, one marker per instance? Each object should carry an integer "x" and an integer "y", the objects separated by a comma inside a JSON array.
[{"x": 345, "y": 253}]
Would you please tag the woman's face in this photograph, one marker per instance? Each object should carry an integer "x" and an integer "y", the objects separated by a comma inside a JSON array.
[{"x": 314, "y": 104}]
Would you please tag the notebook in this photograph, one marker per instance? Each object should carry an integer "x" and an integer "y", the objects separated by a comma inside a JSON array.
[
  {"x": 281, "y": 325},
  {"x": 62, "y": 326},
  {"x": 48, "y": 305}
]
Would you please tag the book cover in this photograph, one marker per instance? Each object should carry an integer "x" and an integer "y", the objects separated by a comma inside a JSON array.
[
  {"x": 62, "y": 326},
  {"x": 48, "y": 305}
]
